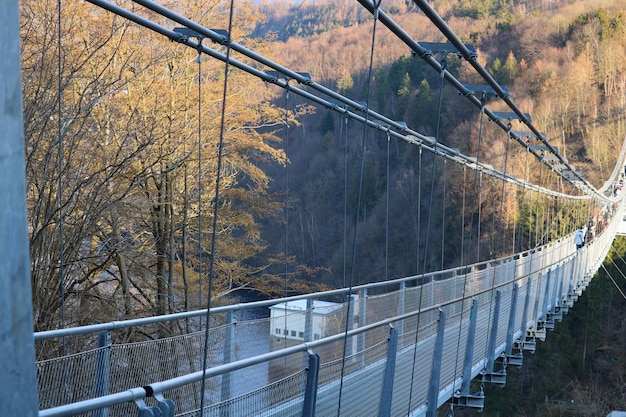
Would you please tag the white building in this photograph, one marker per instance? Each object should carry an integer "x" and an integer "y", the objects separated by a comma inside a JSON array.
[{"x": 287, "y": 320}]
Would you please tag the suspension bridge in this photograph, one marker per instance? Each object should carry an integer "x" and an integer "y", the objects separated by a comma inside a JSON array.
[{"x": 403, "y": 346}]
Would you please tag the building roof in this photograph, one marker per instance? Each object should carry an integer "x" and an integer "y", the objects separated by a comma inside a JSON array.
[{"x": 319, "y": 307}]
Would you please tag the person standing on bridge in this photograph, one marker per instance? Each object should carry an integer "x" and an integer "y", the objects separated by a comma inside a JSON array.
[{"x": 579, "y": 238}]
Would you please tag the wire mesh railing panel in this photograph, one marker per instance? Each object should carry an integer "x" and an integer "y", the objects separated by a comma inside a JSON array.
[
  {"x": 68, "y": 379},
  {"x": 503, "y": 317},
  {"x": 454, "y": 349},
  {"x": 483, "y": 326},
  {"x": 413, "y": 368},
  {"x": 142, "y": 363},
  {"x": 371, "y": 375},
  {"x": 381, "y": 307},
  {"x": 413, "y": 299},
  {"x": 281, "y": 398}
]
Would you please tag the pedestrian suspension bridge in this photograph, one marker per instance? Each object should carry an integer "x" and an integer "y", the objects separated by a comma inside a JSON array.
[{"x": 400, "y": 347}]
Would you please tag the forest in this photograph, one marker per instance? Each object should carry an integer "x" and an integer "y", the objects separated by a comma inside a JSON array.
[{"x": 124, "y": 131}]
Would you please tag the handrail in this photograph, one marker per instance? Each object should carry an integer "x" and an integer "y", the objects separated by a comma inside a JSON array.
[{"x": 123, "y": 324}]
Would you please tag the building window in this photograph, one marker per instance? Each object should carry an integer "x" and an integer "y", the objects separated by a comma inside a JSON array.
[
  {"x": 286, "y": 332},
  {"x": 277, "y": 330},
  {"x": 293, "y": 333},
  {"x": 316, "y": 336},
  {"x": 301, "y": 335}
]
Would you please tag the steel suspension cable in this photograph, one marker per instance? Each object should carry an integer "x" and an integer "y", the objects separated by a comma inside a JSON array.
[
  {"x": 443, "y": 219},
  {"x": 500, "y": 216},
  {"x": 216, "y": 201},
  {"x": 476, "y": 191},
  {"x": 358, "y": 209},
  {"x": 467, "y": 261},
  {"x": 428, "y": 221},
  {"x": 537, "y": 205},
  {"x": 286, "y": 208},
  {"x": 521, "y": 209},
  {"x": 345, "y": 198},
  {"x": 493, "y": 277},
  {"x": 387, "y": 213},
  {"x": 60, "y": 215},
  {"x": 200, "y": 250},
  {"x": 419, "y": 282},
  {"x": 463, "y": 260},
  {"x": 612, "y": 280}
]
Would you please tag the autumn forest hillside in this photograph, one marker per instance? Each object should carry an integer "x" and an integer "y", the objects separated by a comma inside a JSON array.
[{"x": 561, "y": 61}]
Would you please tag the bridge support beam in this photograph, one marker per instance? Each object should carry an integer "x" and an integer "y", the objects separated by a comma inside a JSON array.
[
  {"x": 433, "y": 390},
  {"x": 386, "y": 396}
]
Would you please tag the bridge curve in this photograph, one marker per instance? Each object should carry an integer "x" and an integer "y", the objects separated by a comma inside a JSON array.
[{"x": 413, "y": 342}]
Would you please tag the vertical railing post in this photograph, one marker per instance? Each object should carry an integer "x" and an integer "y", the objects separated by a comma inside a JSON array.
[
  {"x": 386, "y": 395},
  {"x": 308, "y": 320},
  {"x": 401, "y": 301},
  {"x": 310, "y": 393},
  {"x": 433, "y": 390},
  {"x": 102, "y": 378},
  {"x": 362, "y": 323},
  {"x": 350, "y": 324},
  {"x": 229, "y": 352}
]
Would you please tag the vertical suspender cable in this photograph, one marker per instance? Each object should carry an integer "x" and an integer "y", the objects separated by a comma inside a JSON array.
[
  {"x": 428, "y": 221},
  {"x": 500, "y": 217},
  {"x": 345, "y": 198},
  {"x": 443, "y": 219},
  {"x": 463, "y": 216},
  {"x": 387, "y": 214},
  {"x": 358, "y": 208},
  {"x": 286, "y": 208},
  {"x": 200, "y": 251},
  {"x": 216, "y": 201},
  {"x": 466, "y": 274},
  {"x": 521, "y": 205},
  {"x": 60, "y": 193},
  {"x": 537, "y": 241},
  {"x": 476, "y": 193},
  {"x": 494, "y": 275}
]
